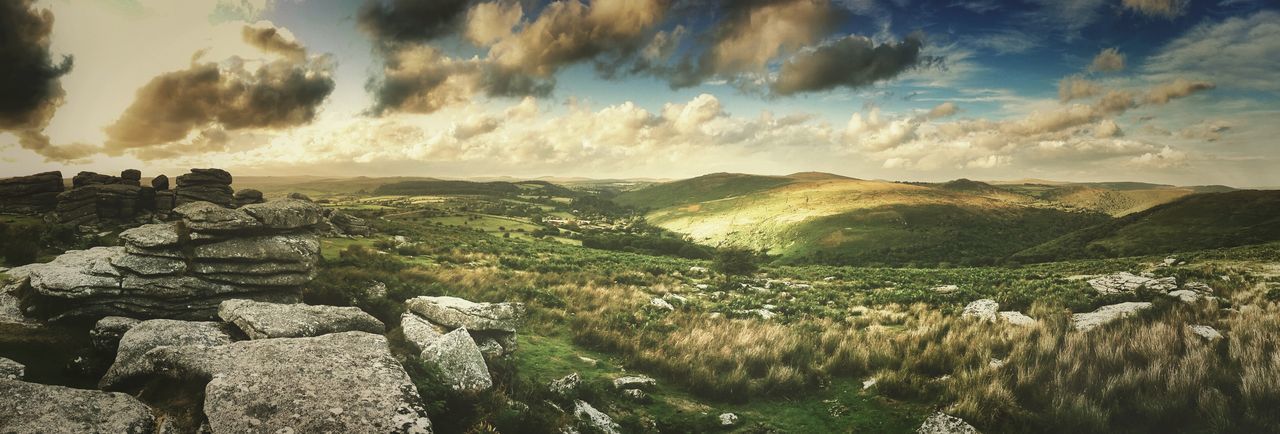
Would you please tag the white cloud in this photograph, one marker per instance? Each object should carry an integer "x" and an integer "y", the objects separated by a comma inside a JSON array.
[{"x": 1241, "y": 52}]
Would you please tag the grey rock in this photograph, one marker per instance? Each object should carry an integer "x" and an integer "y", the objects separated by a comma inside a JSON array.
[
  {"x": 271, "y": 320},
  {"x": 634, "y": 382},
  {"x": 204, "y": 177},
  {"x": 460, "y": 361},
  {"x": 1017, "y": 318},
  {"x": 38, "y": 408},
  {"x": 132, "y": 175},
  {"x": 300, "y": 196},
  {"x": 160, "y": 183},
  {"x": 349, "y": 224},
  {"x": 1187, "y": 296},
  {"x": 11, "y": 370},
  {"x": 594, "y": 420},
  {"x": 728, "y": 419},
  {"x": 418, "y": 332},
  {"x": 149, "y": 335},
  {"x": 149, "y": 265},
  {"x": 566, "y": 387},
  {"x": 32, "y": 194},
  {"x": 489, "y": 347},
  {"x": 941, "y": 423},
  {"x": 209, "y": 217},
  {"x": 1106, "y": 314},
  {"x": 108, "y": 331},
  {"x": 455, "y": 312},
  {"x": 1205, "y": 331},
  {"x": 983, "y": 309},
  {"x": 285, "y": 214},
  {"x": 636, "y": 395},
  {"x": 150, "y": 236},
  {"x": 1124, "y": 282},
  {"x": 246, "y": 196},
  {"x": 295, "y": 248}
]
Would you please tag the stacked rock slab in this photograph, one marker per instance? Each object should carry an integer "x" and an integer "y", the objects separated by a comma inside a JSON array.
[
  {"x": 95, "y": 197},
  {"x": 491, "y": 325},
  {"x": 183, "y": 269},
  {"x": 30, "y": 194},
  {"x": 38, "y": 408},
  {"x": 205, "y": 185},
  {"x": 165, "y": 198},
  {"x": 247, "y": 196},
  {"x": 261, "y": 320}
]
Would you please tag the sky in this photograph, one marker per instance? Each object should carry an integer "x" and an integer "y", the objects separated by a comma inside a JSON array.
[{"x": 1171, "y": 91}]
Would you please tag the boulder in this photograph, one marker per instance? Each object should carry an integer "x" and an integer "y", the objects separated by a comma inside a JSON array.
[
  {"x": 418, "y": 332},
  {"x": 1187, "y": 295},
  {"x": 566, "y": 387},
  {"x": 983, "y": 309},
  {"x": 160, "y": 183},
  {"x": 151, "y": 334},
  {"x": 1106, "y": 314},
  {"x": 33, "y": 194},
  {"x": 1017, "y": 318},
  {"x": 131, "y": 176},
  {"x": 460, "y": 361},
  {"x": 728, "y": 419},
  {"x": 38, "y": 408},
  {"x": 11, "y": 370},
  {"x": 1124, "y": 282},
  {"x": 1205, "y": 331},
  {"x": 343, "y": 382},
  {"x": 636, "y": 395},
  {"x": 247, "y": 196},
  {"x": 300, "y": 196},
  {"x": 455, "y": 312},
  {"x": 661, "y": 304},
  {"x": 349, "y": 224},
  {"x": 942, "y": 423},
  {"x": 107, "y": 332},
  {"x": 271, "y": 320},
  {"x": 634, "y": 382},
  {"x": 285, "y": 214},
  {"x": 593, "y": 420}
]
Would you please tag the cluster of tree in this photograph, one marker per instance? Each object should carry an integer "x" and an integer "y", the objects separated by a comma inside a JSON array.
[{"x": 647, "y": 243}]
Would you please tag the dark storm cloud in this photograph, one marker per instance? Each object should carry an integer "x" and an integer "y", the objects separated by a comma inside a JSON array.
[
  {"x": 270, "y": 40},
  {"x": 397, "y": 21},
  {"x": 278, "y": 95},
  {"x": 30, "y": 90},
  {"x": 852, "y": 62}
]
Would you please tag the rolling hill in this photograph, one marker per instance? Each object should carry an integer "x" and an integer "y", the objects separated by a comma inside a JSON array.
[
  {"x": 833, "y": 219},
  {"x": 1195, "y": 222}
]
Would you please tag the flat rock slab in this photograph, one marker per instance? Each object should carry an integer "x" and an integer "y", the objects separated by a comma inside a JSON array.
[
  {"x": 1124, "y": 282},
  {"x": 261, "y": 320},
  {"x": 453, "y": 312},
  {"x": 1106, "y": 314},
  {"x": 344, "y": 382},
  {"x": 285, "y": 214},
  {"x": 208, "y": 217},
  {"x": 38, "y": 408},
  {"x": 149, "y": 335}
]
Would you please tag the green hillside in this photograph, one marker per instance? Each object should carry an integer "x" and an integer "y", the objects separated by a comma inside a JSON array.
[
  {"x": 1196, "y": 222},
  {"x": 494, "y": 188},
  {"x": 701, "y": 189}
]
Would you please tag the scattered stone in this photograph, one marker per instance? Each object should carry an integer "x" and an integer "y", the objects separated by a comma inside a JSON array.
[
  {"x": 1187, "y": 296},
  {"x": 1106, "y": 314},
  {"x": 594, "y": 420},
  {"x": 271, "y": 320},
  {"x": 636, "y": 395},
  {"x": 1205, "y": 331},
  {"x": 945, "y": 289},
  {"x": 1199, "y": 287},
  {"x": 634, "y": 382},
  {"x": 1124, "y": 282},
  {"x": 1169, "y": 262},
  {"x": 33, "y": 194},
  {"x": 107, "y": 332},
  {"x": 418, "y": 332},
  {"x": 728, "y": 419},
  {"x": 941, "y": 423},
  {"x": 698, "y": 270},
  {"x": 455, "y": 312},
  {"x": 11, "y": 370},
  {"x": 567, "y": 386},
  {"x": 1017, "y": 318},
  {"x": 676, "y": 299},
  {"x": 299, "y": 196},
  {"x": 247, "y": 196},
  {"x": 460, "y": 361},
  {"x": 868, "y": 383},
  {"x": 661, "y": 304},
  {"x": 995, "y": 363},
  {"x": 764, "y": 314},
  {"x": 277, "y": 385},
  {"x": 983, "y": 309},
  {"x": 39, "y": 408}
]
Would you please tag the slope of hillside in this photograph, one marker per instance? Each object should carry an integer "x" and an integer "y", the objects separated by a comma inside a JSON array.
[
  {"x": 499, "y": 188},
  {"x": 1196, "y": 222},
  {"x": 844, "y": 220},
  {"x": 700, "y": 189}
]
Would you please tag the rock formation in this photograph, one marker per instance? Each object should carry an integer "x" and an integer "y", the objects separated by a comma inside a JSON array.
[
  {"x": 271, "y": 320},
  {"x": 38, "y": 408},
  {"x": 30, "y": 194},
  {"x": 182, "y": 269},
  {"x": 205, "y": 185},
  {"x": 247, "y": 196},
  {"x": 460, "y": 361},
  {"x": 491, "y": 325}
]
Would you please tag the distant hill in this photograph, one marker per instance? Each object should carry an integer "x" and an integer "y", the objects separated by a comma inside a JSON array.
[
  {"x": 1113, "y": 198},
  {"x": 494, "y": 188},
  {"x": 835, "y": 219},
  {"x": 1195, "y": 222}
]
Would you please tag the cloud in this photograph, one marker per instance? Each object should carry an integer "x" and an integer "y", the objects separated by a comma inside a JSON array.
[
  {"x": 568, "y": 32},
  {"x": 210, "y": 97},
  {"x": 1240, "y": 53},
  {"x": 270, "y": 39},
  {"x": 854, "y": 61},
  {"x": 1008, "y": 41},
  {"x": 1168, "y": 9},
  {"x": 1178, "y": 88},
  {"x": 31, "y": 89},
  {"x": 1107, "y": 128},
  {"x": 398, "y": 21},
  {"x": 1165, "y": 158},
  {"x": 943, "y": 110},
  {"x": 1076, "y": 87},
  {"x": 492, "y": 21},
  {"x": 1108, "y": 60},
  {"x": 422, "y": 79}
]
